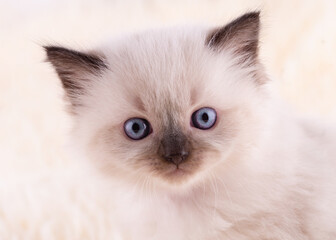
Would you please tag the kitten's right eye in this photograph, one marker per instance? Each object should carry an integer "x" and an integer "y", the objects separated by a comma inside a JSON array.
[{"x": 137, "y": 128}]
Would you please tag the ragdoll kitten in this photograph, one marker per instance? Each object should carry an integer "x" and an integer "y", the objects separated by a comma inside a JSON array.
[{"x": 183, "y": 122}]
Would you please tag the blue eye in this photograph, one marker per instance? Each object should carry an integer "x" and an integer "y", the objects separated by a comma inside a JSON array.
[
  {"x": 137, "y": 128},
  {"x": 204, "y": 118}
]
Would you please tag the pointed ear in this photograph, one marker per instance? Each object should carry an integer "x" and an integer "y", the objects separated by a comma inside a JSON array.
[
  {"x": 74, "y": 68},
  {"x": 240, "y": 35}
]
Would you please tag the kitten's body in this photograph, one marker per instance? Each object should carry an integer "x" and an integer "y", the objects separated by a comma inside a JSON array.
[{"x": 258, "y": 173}]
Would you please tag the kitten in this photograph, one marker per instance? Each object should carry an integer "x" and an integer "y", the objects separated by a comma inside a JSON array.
[{"x": 184, "y": 124}]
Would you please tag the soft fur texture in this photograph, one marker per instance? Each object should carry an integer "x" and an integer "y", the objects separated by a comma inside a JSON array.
[
  {"x": 260, "y": 173},
  {"x": 45, "y": 194}
]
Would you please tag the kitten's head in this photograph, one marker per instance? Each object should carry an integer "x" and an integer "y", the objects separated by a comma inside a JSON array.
[{"x": 169, "y": 105}]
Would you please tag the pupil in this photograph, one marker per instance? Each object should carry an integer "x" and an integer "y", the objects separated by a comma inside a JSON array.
[
  {"x": 135, "y": 127},
  {"x": 205, "y": 117}
]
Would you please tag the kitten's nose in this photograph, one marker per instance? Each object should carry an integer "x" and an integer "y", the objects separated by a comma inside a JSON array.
[
  {"x": 177, "y": 158},
  {"x": 174, "y": 148}
]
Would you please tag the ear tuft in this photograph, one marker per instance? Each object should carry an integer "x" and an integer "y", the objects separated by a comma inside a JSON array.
[{"x": 241, "y": 35}]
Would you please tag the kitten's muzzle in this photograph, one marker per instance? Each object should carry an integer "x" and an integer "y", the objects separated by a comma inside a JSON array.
[{"x": 174, "y": 148}]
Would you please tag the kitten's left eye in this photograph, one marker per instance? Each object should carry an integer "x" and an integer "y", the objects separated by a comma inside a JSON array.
[
  {"x": 204, "y": 118},
  {"x": 137, "y": 128}
]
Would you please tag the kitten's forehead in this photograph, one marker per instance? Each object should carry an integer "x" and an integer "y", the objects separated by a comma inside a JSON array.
[{"x": 161, "y": 71}]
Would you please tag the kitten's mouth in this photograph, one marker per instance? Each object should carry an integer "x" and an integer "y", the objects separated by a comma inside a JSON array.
[
  {"x": 178, "y": 176},
  {"x": 177, "y": 172}
]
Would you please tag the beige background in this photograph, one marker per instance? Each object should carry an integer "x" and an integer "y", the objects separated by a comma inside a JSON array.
[{"x": 44, "y": 193}]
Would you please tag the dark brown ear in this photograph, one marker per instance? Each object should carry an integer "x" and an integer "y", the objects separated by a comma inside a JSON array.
[
  {"x": 74, "y": 68},
  {"x": 241, "y": 36}
]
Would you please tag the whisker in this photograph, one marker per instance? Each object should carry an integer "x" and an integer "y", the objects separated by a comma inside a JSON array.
[
  {"x": 215, "y": 192},
  {"x": 228, "y": 196}
]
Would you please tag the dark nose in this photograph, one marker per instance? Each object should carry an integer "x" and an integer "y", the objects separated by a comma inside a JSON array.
[
  {"x": 174, "y": 148},
  {"x": 177, "y": 158}
]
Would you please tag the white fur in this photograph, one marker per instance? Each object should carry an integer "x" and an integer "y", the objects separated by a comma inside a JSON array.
[{"x": 275, "y": 180}]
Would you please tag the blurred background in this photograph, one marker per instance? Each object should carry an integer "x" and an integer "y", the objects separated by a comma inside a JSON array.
[{"x": 44, "y": 194}]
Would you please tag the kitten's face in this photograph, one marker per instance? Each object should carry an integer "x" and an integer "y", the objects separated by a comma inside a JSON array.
[{"x": 169, "y": 105}]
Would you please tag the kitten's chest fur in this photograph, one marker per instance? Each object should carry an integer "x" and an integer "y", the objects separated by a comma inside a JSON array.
[{"x": 216, "y": 211}]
